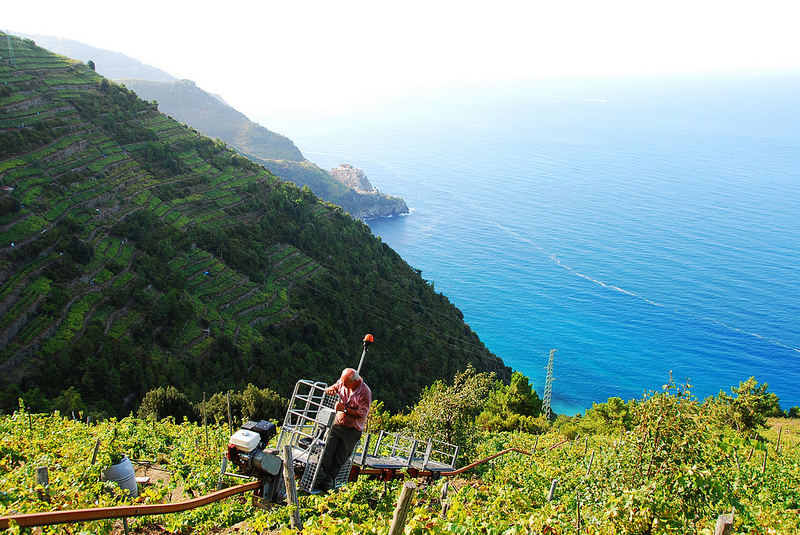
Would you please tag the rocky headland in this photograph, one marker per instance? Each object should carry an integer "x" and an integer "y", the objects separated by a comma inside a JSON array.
[{"x": 370, "y": 202}]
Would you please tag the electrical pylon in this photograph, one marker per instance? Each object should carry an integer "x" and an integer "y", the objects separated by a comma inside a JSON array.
[
  {"x": 11, "y": 50},
  {"x": 548, "y": 387}
]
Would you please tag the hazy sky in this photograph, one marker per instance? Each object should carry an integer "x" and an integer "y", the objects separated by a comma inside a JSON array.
[{"x": 304, "y": 54}]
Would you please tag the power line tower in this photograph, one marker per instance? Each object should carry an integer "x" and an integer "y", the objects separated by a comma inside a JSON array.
[
  {"x": 548, "y": 387},
  {"x": 11, "y": 50}
]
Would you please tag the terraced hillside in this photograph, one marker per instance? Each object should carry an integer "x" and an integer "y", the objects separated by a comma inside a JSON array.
[
  {"x": 211, "y": 116},
  {"x": 191, "y": 105},
  {"x": 135, "y": 253}
]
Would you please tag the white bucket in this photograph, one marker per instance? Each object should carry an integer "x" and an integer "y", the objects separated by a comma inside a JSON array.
[{"x": 123, "y": 475}]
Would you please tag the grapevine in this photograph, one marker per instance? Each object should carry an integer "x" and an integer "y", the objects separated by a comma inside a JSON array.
[{"x": 672, "y": 471}]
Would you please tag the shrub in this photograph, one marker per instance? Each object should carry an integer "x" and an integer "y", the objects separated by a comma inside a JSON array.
[
  {"x": 449, "y": 412},
  {"x": 511, "y": 407},
  {"x": 253, "y": 404},
  {"x": 69, "y": 403},
  {"x": 750, "y": 408},
  {"x": 164, "y": 402},
  {"x": 9, "y": 204}
]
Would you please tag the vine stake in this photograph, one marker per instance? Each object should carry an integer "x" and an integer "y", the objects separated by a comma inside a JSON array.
[
  {"x": 401, "y": 511},
  {"x": 94, "y": 453},
  {"x": 445, "y": 502},
  {"x": 291, "y": 489},
  {"x": 552, "y": 490},
  {"x": 725, "y": 523},
  {"x": 43, "y": 480},
  {"x": 591, "y": 460},
  {"x": 230, "y": 419},
  {"x": 205, "y": 419}
]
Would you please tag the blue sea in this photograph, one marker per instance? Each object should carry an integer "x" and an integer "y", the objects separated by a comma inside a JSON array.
[{"x": 640, "y": 227}]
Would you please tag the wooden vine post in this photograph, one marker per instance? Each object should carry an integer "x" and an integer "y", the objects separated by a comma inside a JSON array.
[
  {"x": 401, "y": 511},
  {"x": 725, "y": 524},
  {"x": 444, "y": 500},
  {"x": 205, "y": 419},
  {"x": 42, "y": 480},
  {"x": 552, "y": 490},
  {"x": 589, "y": 468},
  {"x": 291, "y": 489},
  {"x": 230, "y": 416},
  {"x": 95, "y": 450}
]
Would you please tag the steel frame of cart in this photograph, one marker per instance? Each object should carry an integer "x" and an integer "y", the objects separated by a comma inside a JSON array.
[{"x": 385, "y": 456}]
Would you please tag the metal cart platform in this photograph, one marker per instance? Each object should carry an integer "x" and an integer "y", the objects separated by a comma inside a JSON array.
[{"x": 386, "y": 456}]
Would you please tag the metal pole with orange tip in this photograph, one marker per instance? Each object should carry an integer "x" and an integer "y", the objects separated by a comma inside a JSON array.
[{"x": 368, "y": 339}]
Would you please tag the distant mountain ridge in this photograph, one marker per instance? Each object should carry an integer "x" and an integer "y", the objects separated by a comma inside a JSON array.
[
  {"x": 186, "y": 102},
  {"x": 212, "y": 116},
  {"x": 110, "y": 64}
]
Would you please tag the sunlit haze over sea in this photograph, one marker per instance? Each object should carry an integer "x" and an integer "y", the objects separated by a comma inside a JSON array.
[{"x": 638, "y": 227}]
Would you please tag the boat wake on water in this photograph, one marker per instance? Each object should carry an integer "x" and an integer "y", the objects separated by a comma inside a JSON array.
[{"x": 612, "y": 287}]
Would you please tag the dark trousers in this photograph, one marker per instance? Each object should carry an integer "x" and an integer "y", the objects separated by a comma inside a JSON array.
[{"x": 341, "y": 442}]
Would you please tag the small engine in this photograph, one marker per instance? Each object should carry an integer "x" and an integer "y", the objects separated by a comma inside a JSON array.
[{"x": 247, "y": 450}]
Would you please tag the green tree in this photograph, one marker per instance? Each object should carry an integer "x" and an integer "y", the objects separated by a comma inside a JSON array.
[
  {"x": 262, "y": 404},
  {"x": 9, "y": 204},
  {"x": 163, "y": 402},
  {"x": 252, "y": 404},
  {"x": 380, "y": 419},
  {"x": 448, "y": 412},
  {"x": 80, "y": 251},
  {"x": 749, "y": 409},
  {"x": 513, "y": 407},
  {"x": 69, "y": 402},
  {"x": 604, "y": 417},
  {"x": 667, "y": 465}
]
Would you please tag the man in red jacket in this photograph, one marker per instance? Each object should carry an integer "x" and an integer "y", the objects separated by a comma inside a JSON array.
[{"x": 352, "y": 408}]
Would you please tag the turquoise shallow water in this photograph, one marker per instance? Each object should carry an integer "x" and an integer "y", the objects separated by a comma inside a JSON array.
[{"x": 638, "y": 227}]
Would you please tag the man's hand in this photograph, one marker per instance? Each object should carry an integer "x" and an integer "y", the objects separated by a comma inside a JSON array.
[
  {"x": 341, "y": 407},
  {"x": 330, "y": 390}
]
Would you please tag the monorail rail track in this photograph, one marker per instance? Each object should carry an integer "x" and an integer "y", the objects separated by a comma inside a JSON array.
[{"x": 47, "y": 518}]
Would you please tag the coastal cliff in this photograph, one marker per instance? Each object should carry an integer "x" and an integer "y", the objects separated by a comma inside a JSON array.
[
  {"x": 353, "y": 178},
  {"x": 369, "y": 202},
  {"x": 360, "y": 204},
  {"x": 375, "y": 204}
]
